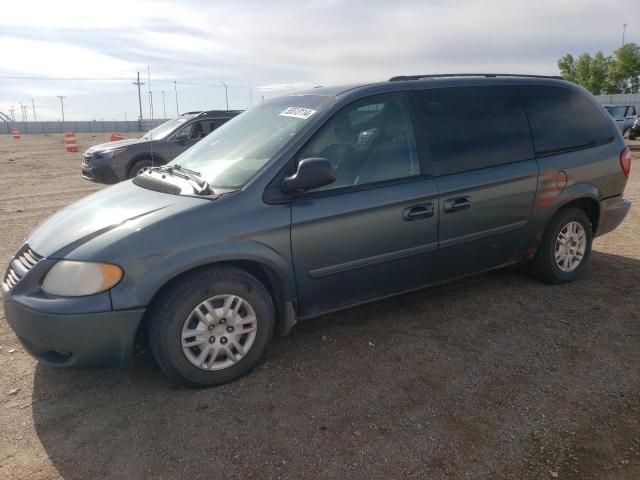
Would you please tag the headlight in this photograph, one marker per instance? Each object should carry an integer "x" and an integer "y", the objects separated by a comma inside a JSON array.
[
  {"x": 110, "y": 153},
  {"x": 69, "y": 278}
]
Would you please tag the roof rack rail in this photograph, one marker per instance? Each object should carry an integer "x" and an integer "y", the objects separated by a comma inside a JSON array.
[{"x": 401, "y": 78}]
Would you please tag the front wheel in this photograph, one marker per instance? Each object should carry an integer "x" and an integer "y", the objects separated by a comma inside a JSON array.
[
  {"x": 139, "y": 167},
  {"x": 565, "y": 247},
  {"x": 211, "y": 327}
]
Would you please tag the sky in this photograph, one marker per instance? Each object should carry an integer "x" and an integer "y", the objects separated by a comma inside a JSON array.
[{"x": 90, "y": 51}]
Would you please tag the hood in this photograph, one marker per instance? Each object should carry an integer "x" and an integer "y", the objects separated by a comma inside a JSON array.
[
  {"x": 117, "y": 144},
  {"x": 99, "y": 213}
]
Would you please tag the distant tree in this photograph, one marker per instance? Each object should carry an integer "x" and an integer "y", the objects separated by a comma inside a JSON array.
[
  {"x": 619, "y": 73},
  {"x": 599, "y": 74},
  {"x": 567, "y": 68},
  {"x": 590, "y": 72},
  {"x": 624, "y": 71}
]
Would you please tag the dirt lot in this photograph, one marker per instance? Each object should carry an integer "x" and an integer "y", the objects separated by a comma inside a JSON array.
[{"x": 495, "y": 376}]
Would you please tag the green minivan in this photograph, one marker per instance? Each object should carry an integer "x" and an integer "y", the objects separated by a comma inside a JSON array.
[{"x": 316, "y": 202}]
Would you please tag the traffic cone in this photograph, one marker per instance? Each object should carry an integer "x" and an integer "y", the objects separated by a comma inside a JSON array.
[
  {"x": 116, "y": 136},
  {"x": 16, "y": 133},
  {"x": 70, "y": 141}
]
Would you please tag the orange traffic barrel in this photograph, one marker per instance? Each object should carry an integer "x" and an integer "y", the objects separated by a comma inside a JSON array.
[
  {"x": 116, "y": 136},
  {"x": 70, "y": 141},
  {"x": 16, "y": 133}
]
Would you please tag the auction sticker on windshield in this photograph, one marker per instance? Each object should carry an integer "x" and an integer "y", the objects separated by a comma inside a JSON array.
[{"x": 297, "y": 112}]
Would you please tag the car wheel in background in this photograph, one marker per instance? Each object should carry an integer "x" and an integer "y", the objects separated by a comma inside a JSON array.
[
  {"x": 211, "y": 327},
  {"x": 565, "y": 247},
  {"x": 138, "y": 167}
]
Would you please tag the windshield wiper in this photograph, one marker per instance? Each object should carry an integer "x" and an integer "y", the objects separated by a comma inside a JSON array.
[{"x": 199, "y": 184}]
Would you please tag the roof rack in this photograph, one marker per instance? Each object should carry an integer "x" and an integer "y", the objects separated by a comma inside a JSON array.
[
  {"x": 401, "y": 78},
  {"x": 211, "y": 112}
]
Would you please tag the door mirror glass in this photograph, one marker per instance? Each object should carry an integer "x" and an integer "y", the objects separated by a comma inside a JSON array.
[{"x": 311, "y": 173}]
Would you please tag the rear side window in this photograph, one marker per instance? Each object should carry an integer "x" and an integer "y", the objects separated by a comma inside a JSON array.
[
  {"x": 563, "y": 119},
  {"x": 466, "y": 128}
]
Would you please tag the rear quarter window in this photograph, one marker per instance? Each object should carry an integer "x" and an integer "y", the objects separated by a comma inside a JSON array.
[
  {"x": 563, "y": 119},
  {"x": 467, "y": 128}
]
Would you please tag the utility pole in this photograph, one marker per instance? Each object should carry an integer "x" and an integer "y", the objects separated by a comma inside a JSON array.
[
  {"x": 226, "y": 94},
  {"x": 164, "y": 107},
  {"x": 12, "y": 111},
  {"x": 624, "y": 28},
  {"x": 139, "y": 84},
  {"x": 34, "y": 110},
  {"x": 61, "y": 104},
  {"x": 22, "y": 111},
  {"x": 175, "y": 87}
]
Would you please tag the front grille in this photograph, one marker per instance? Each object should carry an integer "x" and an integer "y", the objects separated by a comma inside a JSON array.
[
  {"x": 24, "y": 261},
  {"x": 86, "y": 159}
]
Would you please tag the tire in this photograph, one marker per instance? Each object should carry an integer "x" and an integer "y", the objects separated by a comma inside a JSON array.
[
  {"x": 545, "y": 267},
  {"x": 134, "y": 170},
  {"x": 174, "y": 314}
]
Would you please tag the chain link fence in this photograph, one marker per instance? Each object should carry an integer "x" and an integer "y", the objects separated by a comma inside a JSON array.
[{"x": 81, "y": 127}]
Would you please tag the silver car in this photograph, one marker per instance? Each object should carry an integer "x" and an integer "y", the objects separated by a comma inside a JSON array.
[{"x": 624, "y": 115}]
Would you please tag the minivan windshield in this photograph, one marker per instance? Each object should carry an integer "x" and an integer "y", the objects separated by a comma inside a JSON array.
[
  {"x": 166, "y": 128},
  {"x": 229, "y": 156}
]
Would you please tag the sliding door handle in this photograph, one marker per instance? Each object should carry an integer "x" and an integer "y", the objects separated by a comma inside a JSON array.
[{"x": 456, "y": 204}]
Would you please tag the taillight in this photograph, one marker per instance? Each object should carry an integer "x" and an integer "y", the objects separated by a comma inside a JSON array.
[{"x": 625, "y": 161}]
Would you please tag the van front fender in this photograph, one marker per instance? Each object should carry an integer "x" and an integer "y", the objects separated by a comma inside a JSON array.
[{"x": 138, "y": 288}]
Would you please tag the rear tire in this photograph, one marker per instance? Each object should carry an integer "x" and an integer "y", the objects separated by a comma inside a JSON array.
[
  {"x": 138, "y": 167},
  {"x": 192, "y": 317},
  {"x": 565, "y": 247}
]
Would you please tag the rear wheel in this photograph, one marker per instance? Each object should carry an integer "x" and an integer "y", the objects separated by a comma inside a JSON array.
[
  {"x": 565, "y": 247},
  {"x": 138, "y": 167},
  {"x": 211, "y": 327}
]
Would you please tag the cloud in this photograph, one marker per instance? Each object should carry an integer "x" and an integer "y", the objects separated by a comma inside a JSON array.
[
  {"x": 288, "y": 45},
  {"x": 279, "y": 87}
]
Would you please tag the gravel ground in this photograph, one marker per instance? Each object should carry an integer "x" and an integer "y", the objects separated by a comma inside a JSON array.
[{"x": 494, "y": 376}]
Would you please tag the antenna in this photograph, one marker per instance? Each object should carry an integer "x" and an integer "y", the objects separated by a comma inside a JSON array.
[
  {"x": 150, "y": 114},
  {"x": 175, "y": 87}
]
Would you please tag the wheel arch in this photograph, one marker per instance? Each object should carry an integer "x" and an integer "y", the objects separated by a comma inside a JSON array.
[
  {"x": 280, "y": 288},
  {"x": 584, "y": 196},
  {"x": 154, "y": 157}
]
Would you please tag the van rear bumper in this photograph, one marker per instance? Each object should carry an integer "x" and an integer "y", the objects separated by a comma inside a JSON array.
[{"x": 612, "y": 213}]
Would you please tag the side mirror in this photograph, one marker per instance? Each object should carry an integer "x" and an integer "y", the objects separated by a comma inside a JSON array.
[
  {"x": 311, "y": 173},
  {"x": 181, "y": 138}
]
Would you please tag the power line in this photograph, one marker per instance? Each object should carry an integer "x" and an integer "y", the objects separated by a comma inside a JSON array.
[
  {"x": 15, "y": 77},
  {"x": 61, "y": 97}
]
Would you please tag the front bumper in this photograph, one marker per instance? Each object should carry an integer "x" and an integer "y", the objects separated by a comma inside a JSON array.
[
  {"x": 102, "y": 339},
  {"x": 100, "y": 174},
  {"x": 612, "y": 213}
]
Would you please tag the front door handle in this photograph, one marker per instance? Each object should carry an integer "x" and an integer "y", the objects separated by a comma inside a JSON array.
[
  {"x": 456, "y": 204},
  {"x": 415, "y": 212}
]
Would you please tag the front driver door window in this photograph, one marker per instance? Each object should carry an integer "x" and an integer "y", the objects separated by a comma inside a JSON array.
[{"x": 369, "y": 142}]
